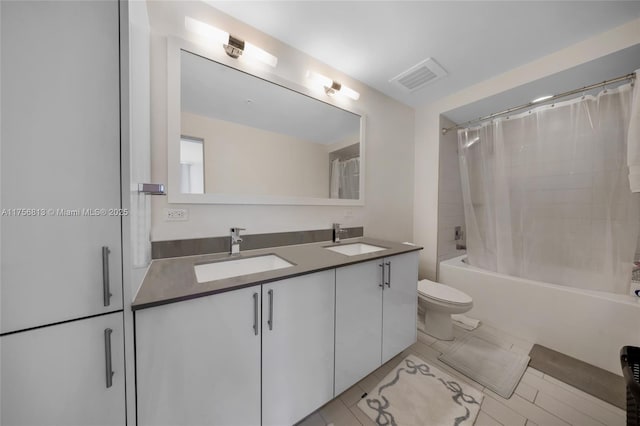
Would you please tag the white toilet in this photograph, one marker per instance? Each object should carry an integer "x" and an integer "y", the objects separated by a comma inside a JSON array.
[{"x": 441, "y": 301}]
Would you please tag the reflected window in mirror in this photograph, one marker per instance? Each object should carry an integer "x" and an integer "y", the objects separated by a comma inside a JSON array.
[{"x": 191, "y": 165}]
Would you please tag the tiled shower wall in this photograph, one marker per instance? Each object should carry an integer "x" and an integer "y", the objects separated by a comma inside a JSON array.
[{"x": 450, "y": 207}]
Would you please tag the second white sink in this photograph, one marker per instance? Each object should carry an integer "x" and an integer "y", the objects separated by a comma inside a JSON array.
[
  {"x": 234, "y": 268},
  {"x": 354, "y": 249}
]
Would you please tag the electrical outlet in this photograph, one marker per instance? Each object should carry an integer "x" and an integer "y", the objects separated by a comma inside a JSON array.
[{"x": 175, "y": 215}]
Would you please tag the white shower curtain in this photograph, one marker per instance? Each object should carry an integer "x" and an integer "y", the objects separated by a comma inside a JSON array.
[
  {"x": 546, "y": 193},
  {"x": 345, "y": 179}
]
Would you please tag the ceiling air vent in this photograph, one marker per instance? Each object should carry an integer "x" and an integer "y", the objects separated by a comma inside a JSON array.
[{"x": 419, "y": 75}]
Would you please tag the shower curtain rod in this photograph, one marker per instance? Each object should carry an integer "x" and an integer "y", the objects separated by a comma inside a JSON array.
[{"x": 631, "y": 76}]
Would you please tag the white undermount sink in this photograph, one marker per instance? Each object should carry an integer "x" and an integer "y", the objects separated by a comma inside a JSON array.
[
  {"x": 234, "y": 268},
  {"x": 354, "y": 249}
]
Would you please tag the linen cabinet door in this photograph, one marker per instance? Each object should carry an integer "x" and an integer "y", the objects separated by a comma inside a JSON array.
[
  {"x": 297, "y": 346},
  {"x": 400, "y": 304},
  {"x": 358, "y": 322},
  {"x": 60, "y": 155},
  {"x": 198, "y": 361},
  {"x": 59, "y": 375}
]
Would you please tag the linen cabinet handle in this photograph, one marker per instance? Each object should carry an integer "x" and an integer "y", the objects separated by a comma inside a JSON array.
[
  {"x": 270, "y": 320},
  {"x": 381, "y": 265},
  {"x": 107, "y": 357},
  {"x": 388, "y": 274},
  {"x": 255, "y": 313},
  {"x": 106, "y": 291}
]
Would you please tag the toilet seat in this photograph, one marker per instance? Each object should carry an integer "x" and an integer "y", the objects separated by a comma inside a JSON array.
[{"x": 443, "y": 293}]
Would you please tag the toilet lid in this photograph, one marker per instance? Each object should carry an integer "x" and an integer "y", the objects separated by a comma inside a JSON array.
[{"x": 443, "y": 293}]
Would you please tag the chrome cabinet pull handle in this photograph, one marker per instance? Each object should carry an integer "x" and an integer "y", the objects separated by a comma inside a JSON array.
[
  {"x": 255, "y": 313},
  {"x": 388, "y": 274},
  {"x": 107, "y": 356},
  {"x": 106, "y": 292},
  {"x": 270, "y": 320},
  {"x": 381, "y": 265}
]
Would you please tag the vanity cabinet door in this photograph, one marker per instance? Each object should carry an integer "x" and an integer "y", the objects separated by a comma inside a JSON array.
[
  {"x": 60, "y": 155},
  {"x": 400, "y": 304},
  {"x": 358, "y": 322},
  {"x": 198, "y": 361},
  {"x": 57, "y": 375},
  {"x": 297, "y": 346}
]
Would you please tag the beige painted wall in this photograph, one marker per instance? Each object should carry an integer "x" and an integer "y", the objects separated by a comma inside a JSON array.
[
  {"x": 389, "y": 151},
  {"x": 245, "y": 160},
  {"x": 428, "y": 136}
]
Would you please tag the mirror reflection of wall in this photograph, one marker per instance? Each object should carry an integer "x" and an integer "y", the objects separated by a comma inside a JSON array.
[
  {"x": 191, "y": 165},
  {"x": 257, "y": 138}
]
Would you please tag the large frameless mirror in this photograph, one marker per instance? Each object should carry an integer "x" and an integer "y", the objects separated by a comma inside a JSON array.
[{"x": 235, "y": 138}]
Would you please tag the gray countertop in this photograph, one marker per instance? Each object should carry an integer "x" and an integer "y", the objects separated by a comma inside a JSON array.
[{"x": 174, "y": 279}]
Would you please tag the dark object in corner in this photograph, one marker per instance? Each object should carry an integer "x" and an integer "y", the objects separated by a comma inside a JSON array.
[
  {"x": 588, "y": 378},
  {"x": 630, "y": 362}
]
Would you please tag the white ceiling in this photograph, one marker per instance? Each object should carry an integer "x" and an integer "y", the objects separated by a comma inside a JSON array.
[{"x": 373, "y": 41}]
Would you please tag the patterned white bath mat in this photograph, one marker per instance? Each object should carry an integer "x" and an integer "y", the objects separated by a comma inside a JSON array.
[
  {"x": 417, "y": 394},
  {"x": 487, "y": 363}
]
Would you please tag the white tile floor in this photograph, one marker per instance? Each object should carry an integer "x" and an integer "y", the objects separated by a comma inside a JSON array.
[{"x": 539, "y": 400}]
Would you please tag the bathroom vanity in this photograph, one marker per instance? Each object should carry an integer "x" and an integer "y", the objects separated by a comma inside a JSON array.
[{"x": 269, "y": 347}]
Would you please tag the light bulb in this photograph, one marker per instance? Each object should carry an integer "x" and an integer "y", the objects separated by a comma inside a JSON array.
[
  {"x": 210, "y": 32},
  {"x": 254, "y": 52}
]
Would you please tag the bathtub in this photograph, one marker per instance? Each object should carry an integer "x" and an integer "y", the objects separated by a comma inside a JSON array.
[{"x": 589, "y": 325}]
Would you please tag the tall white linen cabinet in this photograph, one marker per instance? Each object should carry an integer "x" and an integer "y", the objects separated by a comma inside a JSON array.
[{"x": 64, "y": 128}]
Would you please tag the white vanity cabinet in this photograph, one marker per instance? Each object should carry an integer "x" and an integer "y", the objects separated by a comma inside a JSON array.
[
  {"x": 399, "y": 304},
  {"x": 59, "y": 375},
  {"x": 358, "y": 322},
  {"x": 297, "y": 346},
  {"x": 217, "y": 359},
  {"x": 376, "y": 305},
  {"x": 198, "y": 361}
]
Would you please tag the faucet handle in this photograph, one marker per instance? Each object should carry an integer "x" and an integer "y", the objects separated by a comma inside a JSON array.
[{"x": 235, "y": 234}]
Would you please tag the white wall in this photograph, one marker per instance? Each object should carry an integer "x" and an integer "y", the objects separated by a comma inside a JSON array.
[
  {"x": 271, "y": 163},
  {"x": 427, "y": 130},
  {"x": 388, "y": 210}
]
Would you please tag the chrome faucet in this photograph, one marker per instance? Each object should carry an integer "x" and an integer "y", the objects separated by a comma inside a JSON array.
[
  {"x": 336, "y": 232},
  {"x": 236, "y": 240}
]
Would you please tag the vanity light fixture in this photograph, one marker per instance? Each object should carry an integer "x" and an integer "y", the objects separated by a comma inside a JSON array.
[
  {"x": 234, "y": 46},
  {"x": 332, "y": 87}
]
